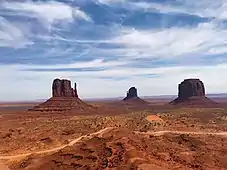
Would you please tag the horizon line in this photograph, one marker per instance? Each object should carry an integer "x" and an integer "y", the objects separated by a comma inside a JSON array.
[{"x": 168, "y": 96}]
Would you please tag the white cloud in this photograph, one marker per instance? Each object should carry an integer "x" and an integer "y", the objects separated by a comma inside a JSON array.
[
  {"x": 205, "y": 38},
  {"x": 22, "y": 33},
  {"x": 168, "y": 43},
  {"x": 190, "y": 43},
  {"x": 11, "y": 35},
  {"x": 202, "y": 8},
  {"x": 96, "y": 63},
  {"x": 109, "y": 2},
  {"x": 47, "y": 13}
]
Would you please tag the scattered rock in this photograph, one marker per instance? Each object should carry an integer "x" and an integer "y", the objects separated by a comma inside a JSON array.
[
  {"x": 68, "y": 132},
  {"x": 120, "y": 148},
  {"x": 7, "y": 135},
  {"x": 11, "y": 130},
  {"x": 45, "y": 139}
]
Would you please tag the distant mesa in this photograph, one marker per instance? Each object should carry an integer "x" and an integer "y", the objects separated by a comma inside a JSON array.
[
  {"x": 192, "y": 92},
  {"x": 191, "y": 87},
  {"x": 64, "y": 98},
  {"x": 131, "y": 93},
  {"x": 132, "y": 96}
]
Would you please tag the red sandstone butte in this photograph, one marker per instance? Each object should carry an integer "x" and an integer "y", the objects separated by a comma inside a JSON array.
[
  {"x": 132, "y": 97},
  {"x": 64, "y": 98},
  {"x": 62, "y": 88},
  {"x": 192, "y": 92}
]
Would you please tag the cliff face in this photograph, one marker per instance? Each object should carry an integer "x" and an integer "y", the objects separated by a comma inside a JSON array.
[
  {"x": 132, "y": 98},
  {"x": 191, "y": 87},
  {"x": 62, "y": 88},
  {"x": 132, "y": 93},
  {"x": 192, "y": 92},
  {"x": 64, "y": 98}
]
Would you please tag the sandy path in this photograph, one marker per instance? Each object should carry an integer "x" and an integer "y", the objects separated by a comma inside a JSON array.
[
  {"x": 101, "y": 132},
  {"x": 159, "y": 133},
  {"x": 57, "y": 148}
]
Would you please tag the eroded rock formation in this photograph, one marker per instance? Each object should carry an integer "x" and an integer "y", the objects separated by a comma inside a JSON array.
[
  {"x": 132, "y": 93},
  {"x": 75, "y": 90},
  {"x": 62, "y": 88},
  {"x": 191, "y": 87},
  {"x": 56, "y": 88},
  {"x": 192, "y": 92},
  {"x": 64, "y": 98},
  {"x": 132, "y": 97}
]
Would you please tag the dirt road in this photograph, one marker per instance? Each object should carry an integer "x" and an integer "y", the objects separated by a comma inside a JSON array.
[
  {"x": 57, "y": 148},
  {"x": 101, "y": 132},
  {"x": 159, "y": 133}
]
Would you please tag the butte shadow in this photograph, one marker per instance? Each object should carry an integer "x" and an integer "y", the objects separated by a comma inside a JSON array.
[{"x": 191, "y": 92}]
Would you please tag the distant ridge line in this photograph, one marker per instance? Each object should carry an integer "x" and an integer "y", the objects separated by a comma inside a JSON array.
[{"x": 217, "y": 95}]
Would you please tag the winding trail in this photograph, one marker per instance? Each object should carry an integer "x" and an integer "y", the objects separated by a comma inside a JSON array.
[
  {"x": 160, "y": 133},
  {"x": 101, "y": 132}
]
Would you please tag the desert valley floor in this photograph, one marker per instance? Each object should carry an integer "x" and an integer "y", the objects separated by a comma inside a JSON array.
[{"x": 154, "y": 136}]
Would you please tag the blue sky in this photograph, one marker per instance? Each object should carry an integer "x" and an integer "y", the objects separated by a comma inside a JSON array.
[{"x": 106, "y": 46}]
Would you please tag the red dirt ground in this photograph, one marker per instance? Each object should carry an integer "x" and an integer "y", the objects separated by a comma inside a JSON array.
[
  {"x": 131, "y": 144},
  {"x": 123, "y": 149}
]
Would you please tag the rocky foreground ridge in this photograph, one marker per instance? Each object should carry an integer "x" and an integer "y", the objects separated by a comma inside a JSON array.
[{"x": 123, "y": 149}]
